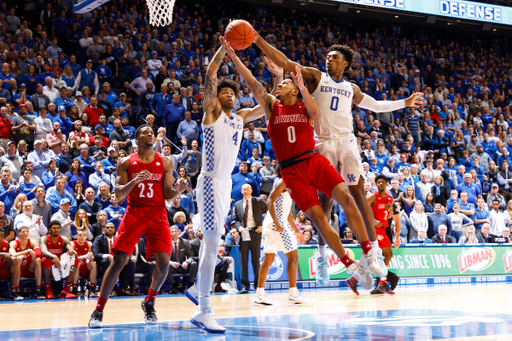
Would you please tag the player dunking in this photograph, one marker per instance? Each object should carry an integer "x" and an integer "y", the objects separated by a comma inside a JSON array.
[
  {"x": 291, "y": 134},
  {"x": 222, "y": 132},
  {"x": 281, "y": 234},
  {"x": 334, "y": 126},
  {"x": 382, "y": 206},
  {"x": 146, "y": 179}
]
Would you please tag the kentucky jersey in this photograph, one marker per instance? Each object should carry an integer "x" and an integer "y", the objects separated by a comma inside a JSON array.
[
  {"x": 334, "y": 100},
  {"x": 148, "y": 192},
  {"x": 289, "y": 129},
  {"x": 222, "y": 141},
  {"x": 282, "y": 205}
]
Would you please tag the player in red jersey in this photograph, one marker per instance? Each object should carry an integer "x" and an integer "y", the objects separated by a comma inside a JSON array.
[
  {"x": 291, "y": 133},
  {"x": 146, "y": 179},
  {"x": 382, "y": 207},
  {"x": 52, "y": 247},
  {"x": 85, "y": 262},
  {"x": 9, "y": 267},
  {"x": 28, "y": 253}
]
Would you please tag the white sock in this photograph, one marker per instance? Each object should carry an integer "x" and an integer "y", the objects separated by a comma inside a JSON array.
[
  {"x": 322, "y": 251},
  {"x": 260, "y": 291},
  {"x": 204, "y": 302},
  {"x": 375, "y": 244},
  {"x": 293, "y": 291}
]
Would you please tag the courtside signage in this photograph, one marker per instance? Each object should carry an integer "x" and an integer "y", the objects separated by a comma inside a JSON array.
[
  {"x": 448, "y": 8},
  {"x": 476, "y": 259}
]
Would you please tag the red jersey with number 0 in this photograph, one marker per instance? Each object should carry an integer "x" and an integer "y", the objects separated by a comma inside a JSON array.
[
  {"x": 148, "y": 193},
  {"x": 379, "y": 209},
  {"x": 81, "y": 250},
  {"x": 289, "y": 129}
]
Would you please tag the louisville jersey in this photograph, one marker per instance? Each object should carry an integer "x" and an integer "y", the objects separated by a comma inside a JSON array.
[
  {"x": 28, "y": 259},
  {"x": 147, "y": 193},
  {"x": 289, "y": 129},
  {"x": 221, "y": 144},
  {"x": 334, "y": 100},
  {"x": 380, "y": 211},
  {"x": 81, "y": 250},
  {"x": 4, "y": 247},
  {"x": 55, "y": 248}
]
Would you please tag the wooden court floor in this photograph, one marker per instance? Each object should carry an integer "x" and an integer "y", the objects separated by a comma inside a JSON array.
[{"x": 444, "y": 312}]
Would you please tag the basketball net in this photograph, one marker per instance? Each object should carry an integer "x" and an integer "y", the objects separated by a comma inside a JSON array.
[{"x": 160, "y": 12}]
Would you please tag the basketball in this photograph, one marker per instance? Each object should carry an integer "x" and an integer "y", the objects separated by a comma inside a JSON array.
[{"x": 240, "y": 34}]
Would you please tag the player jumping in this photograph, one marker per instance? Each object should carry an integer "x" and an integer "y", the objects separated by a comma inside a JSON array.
[
  {"x": 382, "y": 206},
  {"x": 281, "y": 234},
  {"x": 291, "y": 134},
  {"x": 146, "y": 179},
  {"x": 334, "y": 126},
  {"x": 222, "y": 131}
]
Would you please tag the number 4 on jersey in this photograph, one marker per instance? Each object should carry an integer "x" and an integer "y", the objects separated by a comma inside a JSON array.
[{"x": 235, "y": 138}]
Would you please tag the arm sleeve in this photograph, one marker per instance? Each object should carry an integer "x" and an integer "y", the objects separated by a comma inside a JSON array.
[{"x": 370, "y": 103}]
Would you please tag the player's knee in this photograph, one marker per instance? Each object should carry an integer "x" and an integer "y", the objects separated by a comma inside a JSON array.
[
  {"x": 293, "y": 256},
  {"x": 162, "y": 266}
]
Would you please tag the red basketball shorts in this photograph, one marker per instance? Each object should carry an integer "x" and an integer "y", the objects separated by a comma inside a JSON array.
[
  {"x": 382, "y": 237},
  {"x": 305, "y": 178},
  {"x": 84, "y": 271},
  {"x": 148, "y": 221}
]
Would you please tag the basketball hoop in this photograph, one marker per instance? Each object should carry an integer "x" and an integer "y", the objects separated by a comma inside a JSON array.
[{"x": 160, "y": 12}]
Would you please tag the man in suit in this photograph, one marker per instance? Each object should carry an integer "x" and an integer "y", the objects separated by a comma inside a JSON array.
[
  {"x": 421, "y": 239},
  {"x": 142, "y": 265},
  {"x": 221, "y": 266},
  {"x": 101, "y": 248},
  {"x": 248, "y": 216},
  {"x": 441, "y": 237},
  {"x": 181, "y": 258},
  {"x": 485, "y": 236}
]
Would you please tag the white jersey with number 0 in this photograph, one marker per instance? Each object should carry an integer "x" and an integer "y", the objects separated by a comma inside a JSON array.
[
  {"x": 221, "y": 144},
  {"x": 335, "y": 103}
]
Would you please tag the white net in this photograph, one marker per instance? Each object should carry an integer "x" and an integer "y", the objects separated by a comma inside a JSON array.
[{"x": 160, "y": 12}]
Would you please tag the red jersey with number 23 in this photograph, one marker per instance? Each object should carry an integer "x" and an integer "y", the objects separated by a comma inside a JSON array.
[
  {"x": 379, "y": 209},
  {"x": 289, "y": 129},
  {"x": 147, "y": 193}
]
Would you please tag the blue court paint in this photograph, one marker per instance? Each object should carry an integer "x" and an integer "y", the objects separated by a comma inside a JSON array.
[{"x": 381, "y": 325}]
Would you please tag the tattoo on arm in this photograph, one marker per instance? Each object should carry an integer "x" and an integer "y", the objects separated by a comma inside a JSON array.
[
  {"x": 211, "y": 86},
  {"x": 261, "y": 90}
]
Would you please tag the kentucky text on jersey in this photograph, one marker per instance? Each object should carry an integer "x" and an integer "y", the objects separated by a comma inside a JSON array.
[
  {"x": 153, "y": 177},
  {"x": 233, "y": 125},
  {"x": 291, "y": 118},
  {"x": 336, "y": 91}
]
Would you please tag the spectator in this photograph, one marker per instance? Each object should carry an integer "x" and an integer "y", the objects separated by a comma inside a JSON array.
[
  {"x": 12, "y": 161},
  {"x": 90, "y": 206},
  {"x": 469, "y": 236},
  {"x": 248, "y": 145},
  {"x": 442, "y": 237},
  {"x": 42, "y": 207},
  {"x": 120, "y": 135},
  {"x": 437, "y": 219},
  {"x": 7, "y": 189},
  {"x": 81, "y": 223},
  {"x": 103, "y": 195},
  {"x": 482, "y": 215},
  {"x": 23, "y": 127},
  {"x": 74, "y": 175},
  {"x": 466, "y": 207},
  {"x": 56, "y": 196},
  {"x": 175, "y": 208},
  {"x": 497, "y": 219},
  {"x": 173, "y": 114},
  {"x": 418, "y": 220},
  {"x": 241, "y": 178},
  {"x": 494, "y": 195},
  {"x": 457, "y": 219},
  {"x": 98, "y": 176},
  {"x": 115, "y": 211},
  {"x": 472, "y": 190},
  {"x": 34, "y": 222},
  {"x": 86, "y": 162},
  {"x": 93, "y": 112},
  {"x": 188, "y": 129},
  {"x": 421, "y": 239},
  {"x": 181, "y": 259},
  {"x": 439, "y": 191},
  {"x": 39, "y": 158},
  {"x": 63, "y": 217},
  {"x": 422, "y": 187}
]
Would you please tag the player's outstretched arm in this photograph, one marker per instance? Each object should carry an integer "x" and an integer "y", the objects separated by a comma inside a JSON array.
[
  {"x": 210, "y": 103},
  {"x": 367, "y": 102},
  {"x": 311, "y": 75},
  {"x": 260, "y": 94},
  {"x": 171, "y": 189},
  {"x": 277, "y": 71},
  {"x": 311, "y": 105},
  {"x": 272, "y": 197}
]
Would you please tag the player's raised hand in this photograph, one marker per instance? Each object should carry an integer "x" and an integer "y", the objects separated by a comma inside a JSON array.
[
  {"x": 276, "y": 70},
  {"x": 231, "y": 53},
  {"x": 180, "y": 185},
  {"x": 297, "y": 77},
  {"x": 144, "y": 175},
  {"x": 414, "y": 100}
]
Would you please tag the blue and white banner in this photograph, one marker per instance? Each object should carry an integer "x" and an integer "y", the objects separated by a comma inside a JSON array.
[{"x": 449, "y": 8}]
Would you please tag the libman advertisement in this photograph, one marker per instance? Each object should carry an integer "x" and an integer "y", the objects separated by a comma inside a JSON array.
[{"x": 421, "y": 261}]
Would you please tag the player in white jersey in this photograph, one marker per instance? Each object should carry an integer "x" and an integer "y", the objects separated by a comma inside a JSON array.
[
  {"x": 334, "y": 131},
  {"x": 222, "y": 131},
  {"x": 281, "y": 234}
]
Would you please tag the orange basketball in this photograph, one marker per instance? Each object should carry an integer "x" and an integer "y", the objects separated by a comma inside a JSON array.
[{"x": 240, "y": 34}]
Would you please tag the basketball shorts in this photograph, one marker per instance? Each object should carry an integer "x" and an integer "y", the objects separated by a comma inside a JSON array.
[
  {"x": 343, "y": 154},
  {"x": 26, "y": 273},
  {"x": 47, "y": 262},
  {"x": 382, "y": 237},
  {"x": 84, "y": 271},
  {"x": 4, "y": 272},
  {"x": 213, "y": 200},
  {"x": 279, "y": 241},
  {"x": 305, "y": 178},
  {"x": 148, "y": 221}
]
